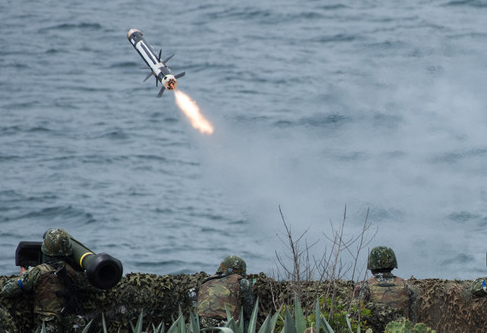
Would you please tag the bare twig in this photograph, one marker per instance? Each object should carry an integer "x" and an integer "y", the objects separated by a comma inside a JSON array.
[{"x": 331, "y": 266}]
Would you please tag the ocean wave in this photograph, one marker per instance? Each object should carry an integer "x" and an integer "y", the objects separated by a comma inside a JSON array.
[
  {"x": 470, "y": 3},
  {"x": 57, "y": 213},
  {"x": 72, "y": 26},
  {"x": 462, "y": 216},
  {"x": 325, "y": 120},
  {"x": 458, "y": 156}
]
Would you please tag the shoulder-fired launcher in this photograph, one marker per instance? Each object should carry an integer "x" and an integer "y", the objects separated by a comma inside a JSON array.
[{"x": 103, "y": 270}]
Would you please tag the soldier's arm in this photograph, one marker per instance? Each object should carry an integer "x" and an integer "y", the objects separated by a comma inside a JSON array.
[
  {"x": 410, "y": 290},
  {"x": 25, "y": 282},
  {"x": 362, "y": 292}
]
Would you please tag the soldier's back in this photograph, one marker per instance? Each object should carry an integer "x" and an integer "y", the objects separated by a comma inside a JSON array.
[{"x": 390, "y": 290}]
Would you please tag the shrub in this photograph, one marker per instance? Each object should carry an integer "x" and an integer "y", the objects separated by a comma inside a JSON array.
[{"x": 405, "y": 326}]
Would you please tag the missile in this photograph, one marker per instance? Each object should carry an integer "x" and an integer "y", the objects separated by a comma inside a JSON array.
[{"x": 158, "y": 67}]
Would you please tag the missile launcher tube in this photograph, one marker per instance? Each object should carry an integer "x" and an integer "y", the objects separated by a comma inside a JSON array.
[{"x": 103, "y": 270}]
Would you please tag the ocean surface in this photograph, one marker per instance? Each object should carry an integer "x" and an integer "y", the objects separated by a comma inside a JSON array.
[{"x": 320, "y": 107}]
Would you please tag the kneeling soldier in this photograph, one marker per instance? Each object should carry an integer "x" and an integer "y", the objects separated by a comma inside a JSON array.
[
  {"x": 54, "y": 285},
  {"x": 228, "y": 288},
  {"x": 384, "y": 288}
]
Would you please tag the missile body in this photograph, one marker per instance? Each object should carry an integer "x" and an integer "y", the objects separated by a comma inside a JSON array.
[{"x": 158, "y": 67}]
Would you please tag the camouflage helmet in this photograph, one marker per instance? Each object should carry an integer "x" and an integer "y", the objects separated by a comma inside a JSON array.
[
  {"x": 57, "y": 243},
  {"x": 381, "y": 257},
  {"x": 232, "y": 265}
]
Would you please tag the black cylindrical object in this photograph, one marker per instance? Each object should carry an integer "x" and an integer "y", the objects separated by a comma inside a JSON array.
[{"x": 103, "y": 270}]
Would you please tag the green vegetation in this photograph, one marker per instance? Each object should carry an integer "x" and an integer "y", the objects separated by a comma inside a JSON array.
[
  {"x": 343, "y": 318},
  {"x": 405, "y": 326},
  {"x": 291, "y": 319}
]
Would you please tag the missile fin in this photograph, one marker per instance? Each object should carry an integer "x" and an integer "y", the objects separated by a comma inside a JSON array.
[
  {"x": 161, "y": 91},
  {"x": 180, "y": 75},
  {"x": 167, "y": 59},
  {"x": 148, "y": 76},
  {"x": 160, "y": 53}
]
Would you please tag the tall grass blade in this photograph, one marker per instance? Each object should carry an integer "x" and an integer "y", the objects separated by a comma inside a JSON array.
[
  {"x": 87, "y": 327},
  {"x": 231, "y": 323},
  {"x": 240, "y": 323},
  {"x": 103, "y": 323},
  {"x": 299, "y": 316},
  {"x": 253, "y": 318},
  {"x": 182, "y": 323},
  {"x": 229, "y": 315},
  {"x": 159, "y": 328},
  {"x": 348, "y": 323},
  {"x": 194, "y": 325},
  {"x": 274, "y": 321},
  {"x": 138, "y": 326},
  {"x": 174, "y": 326},
  {"x": 326, "y": 326},
  {"x": 266, "y": 326},
  {"x": 317, "y": 315},
  {"x": 289, "y": 326}
]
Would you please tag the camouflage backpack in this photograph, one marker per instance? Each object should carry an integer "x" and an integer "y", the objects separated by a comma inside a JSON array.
[
  {"x": 216, "y": 293},
  {"x": 391, "y": 291},
  {"x": 50, "y": 293}
]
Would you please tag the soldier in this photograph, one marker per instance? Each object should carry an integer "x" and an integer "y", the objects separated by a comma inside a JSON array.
[
  {"x": 228, "y": 288},
  {"x": 54, "y": 285},
  {"x": 384, "y": 288},
  {"x": 479, "y": 287}
]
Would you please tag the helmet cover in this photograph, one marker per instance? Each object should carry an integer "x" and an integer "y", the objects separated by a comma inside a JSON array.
[
  {"x": 57, "y": 243},
  {"x": 381, "y": 257},
  {"x": 232, "y": 265}
]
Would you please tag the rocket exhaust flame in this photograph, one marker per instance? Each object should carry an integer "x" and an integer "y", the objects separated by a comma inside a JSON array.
[{"x": 192, "y": 111}]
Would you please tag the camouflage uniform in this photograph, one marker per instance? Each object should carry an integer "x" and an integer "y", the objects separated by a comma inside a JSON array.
[
  {"x": 384, "y": 288},
  {"x": 49, "y": 294},
  {"x": 48, "y": 282},
  {"x": 7, "y": 324},
  {"x": 228, "y": 289}
]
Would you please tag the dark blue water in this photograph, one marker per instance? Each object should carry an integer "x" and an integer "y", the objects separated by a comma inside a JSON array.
[{"x": 317, "y": 105}]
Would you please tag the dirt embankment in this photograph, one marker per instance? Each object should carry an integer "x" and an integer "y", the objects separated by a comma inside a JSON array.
[{"x": 446, "y": 306}]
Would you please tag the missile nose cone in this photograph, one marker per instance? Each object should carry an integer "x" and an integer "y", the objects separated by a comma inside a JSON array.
[{"x": 131, "y": 31}]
